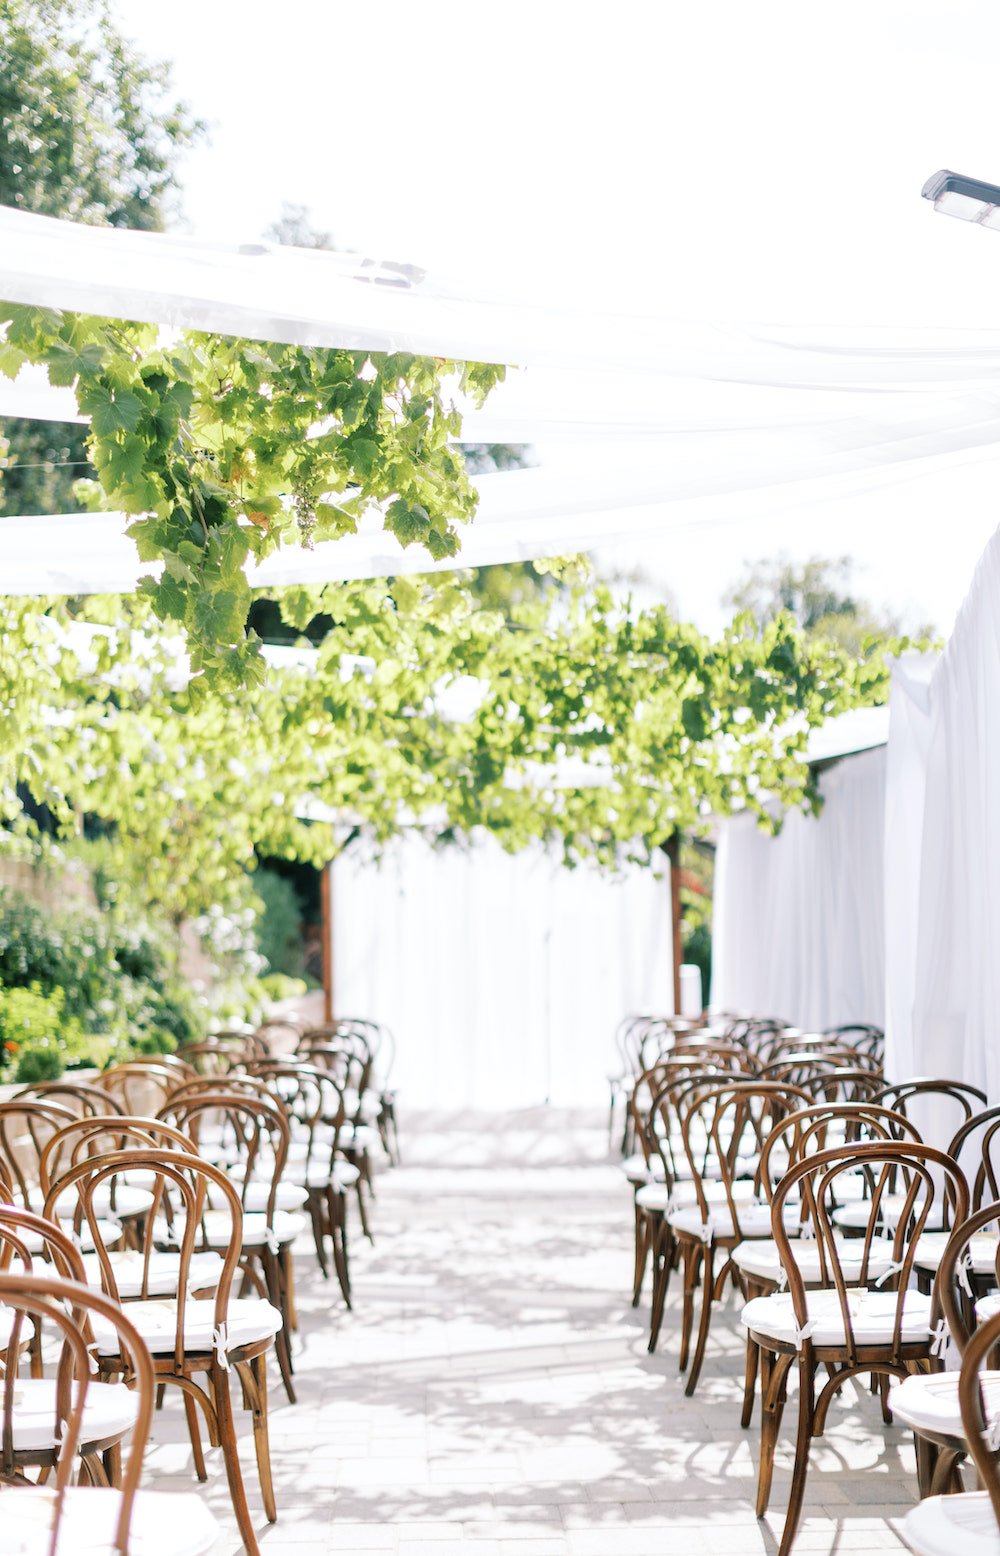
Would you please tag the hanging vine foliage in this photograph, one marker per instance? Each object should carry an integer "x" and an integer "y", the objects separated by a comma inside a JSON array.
[{"x": 224, "y": 449}]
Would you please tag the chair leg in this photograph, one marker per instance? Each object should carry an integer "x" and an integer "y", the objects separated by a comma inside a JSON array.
[
  {"x": 276, "y": 1296},
  {"x": 227, "y": 1436},
  {"x": 803, "y": 1439},
  {"x": 253, "y": 1376},
  {"x": 749, "y": 1380},
  {"x": 693, "y": 1253},
  {"x": 707, "y": 1296},
  {"x": 773, "y": 1380},
  {"x": 662, "y": 1252},
  {"x": 362, "y": 1211},
  {"x": 641, "y": 1253},
  {"x": 194, "y": 1432},
  {"x": 337, "y": 1213}
]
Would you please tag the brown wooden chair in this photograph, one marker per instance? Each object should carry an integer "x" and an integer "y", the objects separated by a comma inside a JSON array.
[
  {"x": 863, "y": 1319},
  {"x": 79, "y": 1096},
  {"x": 723, "y": 1128},
  {"x": 195, "y": 1343},
  {"x": 257, "y": 1128},
  {"x": 928, "y": 1403},
  {"x": 60, "y": 1517},
  {"x": 316, "y": 1114},
  {"x": 970, "y": 1521}
]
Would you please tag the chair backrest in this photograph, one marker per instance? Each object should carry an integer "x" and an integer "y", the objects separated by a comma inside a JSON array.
[
  {"x": 313, "y": 1101},
  {"x": 181, "y": 1185},
  {"x": 978, "y": 1139},
  {"x": 87, "y": 1138},
  {"x": 26, "y": 1127},
  {"x": 139, "y": 1088},
  {"x": 939, "y": 1107},
  {"x": 67, "y": 1308},
  {"x": 256, "y": 1127},
  {"x": 79, "y": 1096},
  {"x": 824, "y": 1124},
  {"x": 900, "y": 1178},
  {"x": 860, "y": 1035},
  {"x": 724, "y": 1127},
  {"x": 19, "y": 1229}
]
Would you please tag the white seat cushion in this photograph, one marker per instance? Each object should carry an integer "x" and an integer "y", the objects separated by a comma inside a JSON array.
[
  {"x": 983, "y": 1247},
  {"x": 129, "y": 1201},
  {"x": 247, "y": 1322},
  {"x": 988, "y": 1307},
  {"x": 109, "y": 1411},
  {"x": 218, "y": 1226},
  {"x": 754, "y": 1220},
  {"x": 288, "y": 1196},
  {"x": 873, "y": 1315},
  {"x": 344, "y": 1175},
  {"x": 164, "y": 1523},
  {"x": 638, "y": 1170},
  {"x": 855, "y": 1216},
  {"x": 359, "y": 1137},
  {"x": 943, "y": 1526},
  {"x": 204, "y": 1272},
  {"x": 928, "y": 1402},
  {"x": 759, "y": 1257},
  {"x": 109, "y": 1232}
]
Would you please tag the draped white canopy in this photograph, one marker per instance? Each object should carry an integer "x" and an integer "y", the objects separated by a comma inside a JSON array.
[{"x": 642, "y": 428}]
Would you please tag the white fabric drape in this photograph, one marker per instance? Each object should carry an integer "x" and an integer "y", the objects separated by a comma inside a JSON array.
[
  {"x": 945, "y": 739},
  {"x": 798, "y": 918},
  {"x": 503, "y": 977}
]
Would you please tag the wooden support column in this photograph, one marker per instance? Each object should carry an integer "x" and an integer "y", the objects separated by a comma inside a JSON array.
[
  {"x": 672, "y": 849},
  {"x": 326, "y": 916}
]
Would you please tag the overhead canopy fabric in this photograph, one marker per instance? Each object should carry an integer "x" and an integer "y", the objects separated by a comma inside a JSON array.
[{"x": 640, "y": 427}]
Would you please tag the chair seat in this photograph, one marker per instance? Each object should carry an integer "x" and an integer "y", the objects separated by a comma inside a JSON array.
[
  {"x": 983, "y": 1248},
  {"x": 343, "y": 1175},
  {"x": 218, "y": 1225},
  {"x": 164, "y": 1523},
  {"x": 128, "y": 1201},
  {"x": 7, "y": 1324},
  {"x": 637, "y": 1170},
  {"x": 754, "y": 1218},
  {"x": 854, "y": 1217},
  {"x": 928, "y": 1402},
  {"x": 944, "y": 1526},
  {"x": 873, "y": 1314},
  {"x": 759, "y": 1257},
  {"x": 656, "y": 1196},
  {"x": 988, "y": 1307},
  {"x": 204, "y": 1272},
  {"x": 110, "y": 1411},
  {"x": 289, "y": 1195},
  {"x": 248, "y": 1321},
  {"x": 359, "y": 1137},
  {"x": 109, "y": 1232}
]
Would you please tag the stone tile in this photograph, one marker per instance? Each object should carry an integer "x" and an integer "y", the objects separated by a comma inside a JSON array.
[{"x": 491, "y": 1393}]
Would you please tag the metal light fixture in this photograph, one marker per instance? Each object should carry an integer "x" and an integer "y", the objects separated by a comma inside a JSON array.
[{"x": 967, "y": 198}]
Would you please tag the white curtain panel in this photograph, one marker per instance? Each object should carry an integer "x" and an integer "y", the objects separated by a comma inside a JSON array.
[
  {"x": 502, "y": 977},
  {"x": 798, "y": 918},
  {"x": 945, "y": 740}
]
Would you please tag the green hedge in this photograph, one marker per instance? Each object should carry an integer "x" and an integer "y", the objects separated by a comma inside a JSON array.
[{"x": 78, "y": 987}]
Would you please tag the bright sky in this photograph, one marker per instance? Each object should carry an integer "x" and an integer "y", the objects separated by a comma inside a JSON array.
[{"x": 730, "y": 161}]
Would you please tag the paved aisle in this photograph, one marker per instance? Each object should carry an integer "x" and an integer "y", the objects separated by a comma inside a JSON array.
[{"x": 492, "y": 1392}]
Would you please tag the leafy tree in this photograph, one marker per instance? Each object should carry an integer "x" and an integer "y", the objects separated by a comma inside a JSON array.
[
  {"x": 294, "y": 226},
  {"x": 819, "y": 594},
  {"x": 88, "y": 130}
]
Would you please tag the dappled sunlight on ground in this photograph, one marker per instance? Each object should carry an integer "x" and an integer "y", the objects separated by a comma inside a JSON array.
[{"x": 492, "y": 1392}]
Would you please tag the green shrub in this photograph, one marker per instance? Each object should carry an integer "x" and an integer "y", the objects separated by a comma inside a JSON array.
[
  {"x": 113, "y": 987},
  {"x": 279, "y": 928},
  {"x": 39, "y": 1064},
  {"x": 278, "y": 986}
]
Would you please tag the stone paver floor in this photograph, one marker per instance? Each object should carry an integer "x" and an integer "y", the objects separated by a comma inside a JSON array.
[{"x": 492, "y": 1393}]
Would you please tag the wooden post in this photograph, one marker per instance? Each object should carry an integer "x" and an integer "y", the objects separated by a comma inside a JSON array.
[
  {"x": 672, "y": 849},
  {"x": 326, "y": 916}
]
